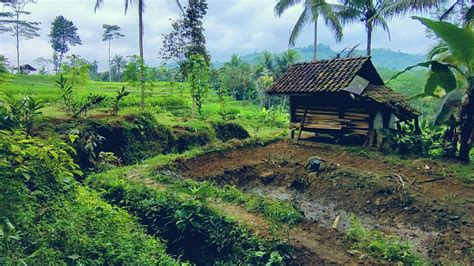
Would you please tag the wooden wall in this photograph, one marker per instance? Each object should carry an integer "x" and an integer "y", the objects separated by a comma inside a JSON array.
[{"x": 332, "y": 113}]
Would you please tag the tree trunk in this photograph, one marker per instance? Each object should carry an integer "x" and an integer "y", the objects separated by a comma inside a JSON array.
[
  {"x": 466, "y": 119},
  {"x": 369, "y": 28},
  {"x": 142, "y": 63},
  {"x": 110, "y": 67},
  {"x": 315, "y": 51},
  {"x": 17, "y": 34}
]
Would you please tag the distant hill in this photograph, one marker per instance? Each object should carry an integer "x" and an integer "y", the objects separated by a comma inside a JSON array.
[{"x": 383, "y": 58}]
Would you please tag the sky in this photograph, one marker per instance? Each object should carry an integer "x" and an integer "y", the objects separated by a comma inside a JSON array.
[{"x": 232, "y": 26}]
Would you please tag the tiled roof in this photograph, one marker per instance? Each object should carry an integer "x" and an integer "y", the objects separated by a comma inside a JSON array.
[
  {"x": 321, "y": 76},
  {"x": 397, "y": 102}
]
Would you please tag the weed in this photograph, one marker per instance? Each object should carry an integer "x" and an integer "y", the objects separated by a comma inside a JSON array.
[{"x": 389, "y": 248}]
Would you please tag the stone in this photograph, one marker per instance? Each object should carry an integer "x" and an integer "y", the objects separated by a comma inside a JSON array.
[{"x": 314, "y": 164}]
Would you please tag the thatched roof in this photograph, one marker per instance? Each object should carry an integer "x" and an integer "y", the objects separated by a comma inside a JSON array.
[{"x": 395, "y": 101}]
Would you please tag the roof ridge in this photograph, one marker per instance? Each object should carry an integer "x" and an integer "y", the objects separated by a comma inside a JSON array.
[{"x": 333, "y": 59}]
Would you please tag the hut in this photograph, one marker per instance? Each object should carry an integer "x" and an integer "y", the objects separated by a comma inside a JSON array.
[{"x": 340, "y": 97}]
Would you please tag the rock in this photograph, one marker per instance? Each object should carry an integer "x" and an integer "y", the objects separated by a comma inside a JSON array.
[
  {"x": 314, "y": 164},
  {"x": 312, "y": 175},
  {"x": 454, "y": 218}
]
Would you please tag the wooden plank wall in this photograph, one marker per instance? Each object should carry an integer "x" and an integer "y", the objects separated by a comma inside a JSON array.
[{"x": 322, "y": 116}]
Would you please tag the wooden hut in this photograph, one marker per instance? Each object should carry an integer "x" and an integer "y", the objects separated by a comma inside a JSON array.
[{"x": 341, "y": 96}]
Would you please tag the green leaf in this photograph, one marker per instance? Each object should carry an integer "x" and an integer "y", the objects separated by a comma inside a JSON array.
[
  {"x": 449, "y": 104},
  {"x": 459, "y": 41},
  {"x": 423, "y": 64},
  {"x": 441, "y": 76}
]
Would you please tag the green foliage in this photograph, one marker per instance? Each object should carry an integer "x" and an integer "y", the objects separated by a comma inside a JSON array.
[
  {"x": 20, "y": 113},
  {"x": 90, "y": 102},
  {"x": 226, "y": 131},
  {"x": 199, "y": 80},
  {"x": 457, "y": 39},
  {"x": 429, "y": 143},
  {"x": 3, "y": 67},
  {"x": 67, "y": 95},
  {"x": 121, "y": 93},
  {"x": 276, "y": 211},
  {"x": 273, "y": 117},
  {"x": 196, "y": 232},
  {"x": 380, "y": 246},
  {"x": 46, "y": 217},
  {"x": 187, "y": 137},
  {"x": 63, "y": 34},
  {"x": 76, "y": 69}
]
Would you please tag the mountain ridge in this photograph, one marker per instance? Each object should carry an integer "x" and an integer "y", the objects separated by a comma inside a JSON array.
[{"x": 381, "y": 57}]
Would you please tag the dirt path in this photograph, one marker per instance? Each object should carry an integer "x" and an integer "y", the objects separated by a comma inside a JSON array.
[
  {"x": 312, "y": 244},
  {"x": 435, "y": 216}
]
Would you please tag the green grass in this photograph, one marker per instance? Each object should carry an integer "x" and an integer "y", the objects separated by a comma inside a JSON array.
[
  {"x": 194, "y": 231},
  {"x": 169, "y": 102},
  {"x": 388, "y": 248}
]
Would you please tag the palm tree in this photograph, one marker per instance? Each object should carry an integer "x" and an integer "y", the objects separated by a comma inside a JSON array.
[
  {"x": 266, "y": 61},
  {"x": 111, "y": 32},
  {"x": 311, "y": 12},
  {"x": 375, "y": 13},
  {"x": 141, "y": 10},
  {"x": 235, "y": 61},
  {"x": 118, "y": 65}
]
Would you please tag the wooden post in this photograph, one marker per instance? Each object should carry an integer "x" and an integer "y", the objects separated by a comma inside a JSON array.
[
  {"x": 370, "y": 136},
  {"x": 417, "y": 126},
  {"x": 302, "y": 122}
]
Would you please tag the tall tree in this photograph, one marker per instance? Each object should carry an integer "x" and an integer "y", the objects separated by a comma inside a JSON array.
[
  {"x": 187, "y": 36},
  {"x": 111, "y": 32},
  {"x": 63, "y": 34},
  {"x": 18, "y": 27},
  {"x": 141, "y": 10},
  {"x": 375, "y": 13},
  {"x": 311, "y": 12}
]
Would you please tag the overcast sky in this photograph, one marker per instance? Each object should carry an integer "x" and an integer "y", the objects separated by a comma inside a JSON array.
[{"x": 232, "y": 26}]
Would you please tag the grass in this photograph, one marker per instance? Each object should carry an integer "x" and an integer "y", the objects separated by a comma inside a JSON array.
[
  {"x": 380, "y": 246},
  {"x": 169, "y": 102},
  {"x": 194, "y": 231}
]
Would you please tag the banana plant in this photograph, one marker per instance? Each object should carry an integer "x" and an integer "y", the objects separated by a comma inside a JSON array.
[{"x": 451, "y": 67}]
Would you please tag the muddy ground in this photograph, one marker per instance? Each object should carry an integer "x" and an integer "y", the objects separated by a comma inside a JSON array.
[{"x": 393, "y": 197}]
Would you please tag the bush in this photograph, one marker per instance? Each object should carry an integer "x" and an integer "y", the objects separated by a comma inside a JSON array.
[
  {"x": 194, "y": 231},
  {"x": 131, "y": 138},
  {"x": 429, "y": 143},
  {"x": 46, "y": 217},
  {"x": 187, "y": 138},
  {"x": 226, "y": 131}
]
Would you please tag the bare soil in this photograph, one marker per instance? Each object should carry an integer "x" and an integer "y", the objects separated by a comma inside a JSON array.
[{"x": 391, "y": 196}]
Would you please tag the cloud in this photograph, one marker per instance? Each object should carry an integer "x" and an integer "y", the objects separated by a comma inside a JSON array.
[{"x": 232, "y": 26}]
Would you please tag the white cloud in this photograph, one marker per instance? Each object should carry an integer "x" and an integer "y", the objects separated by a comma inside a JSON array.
[{"x": 232, "y": 26}]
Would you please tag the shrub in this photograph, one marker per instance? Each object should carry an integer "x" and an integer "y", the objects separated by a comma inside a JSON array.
[
  {"x": 46, "y": 217},
  {"x": 195, "y": 232},
  {"x": 186, "y": 138},
  {"x": 226, "y": 131}
]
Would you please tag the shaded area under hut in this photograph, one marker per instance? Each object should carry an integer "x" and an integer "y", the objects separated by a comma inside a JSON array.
[{"x": 341, "y": 97}]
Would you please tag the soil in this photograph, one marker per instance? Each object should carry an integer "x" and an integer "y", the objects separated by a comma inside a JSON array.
[{"x": 393, "y": 197}]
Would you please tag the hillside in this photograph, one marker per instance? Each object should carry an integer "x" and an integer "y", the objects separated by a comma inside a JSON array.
[{"x": 382, "y": 58}]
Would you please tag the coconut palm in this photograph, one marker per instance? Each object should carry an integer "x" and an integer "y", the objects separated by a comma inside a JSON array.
[
  {"x": 311, "y": 12},
  {"x": 141, "y": 10},
  {"x": 118, "y": 65},
  {"x": 375, "y": 13}
]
